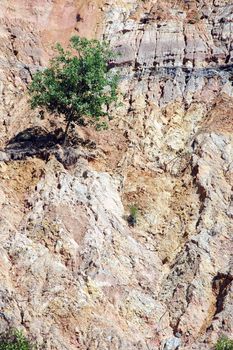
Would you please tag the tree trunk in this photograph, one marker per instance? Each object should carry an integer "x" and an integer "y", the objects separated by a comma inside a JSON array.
[{"x": 66, "y": 131}]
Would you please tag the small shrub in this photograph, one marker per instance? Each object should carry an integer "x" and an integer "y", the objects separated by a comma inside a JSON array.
[
  {"x": 132, "y": 219},
  {"x": 15, "y": 340},
  {"x": 224, "y": 343}
]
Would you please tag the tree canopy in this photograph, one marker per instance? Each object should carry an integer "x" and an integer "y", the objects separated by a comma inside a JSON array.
[{"x": 78, "y": 83}]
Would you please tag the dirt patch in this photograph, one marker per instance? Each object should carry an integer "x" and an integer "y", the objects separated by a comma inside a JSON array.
[
  {"x": 220, "y": 117},
  {"x": 18, "y": 178}
]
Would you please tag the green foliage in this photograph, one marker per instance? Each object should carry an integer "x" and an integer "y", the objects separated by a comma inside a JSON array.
[
  {"x": 78, "y": 83},
  {"x": 15, "y": 340},
  {"x": 224, "y": 343},
  {"x": 134, "y": 210},
  {"x": 132, "y": 219}
]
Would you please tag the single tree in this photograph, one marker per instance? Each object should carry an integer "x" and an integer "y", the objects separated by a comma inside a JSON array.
[{"x": 78, "y": 84}]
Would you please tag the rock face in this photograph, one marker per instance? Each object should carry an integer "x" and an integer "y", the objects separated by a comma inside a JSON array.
[{"x": 74, "y": 275}]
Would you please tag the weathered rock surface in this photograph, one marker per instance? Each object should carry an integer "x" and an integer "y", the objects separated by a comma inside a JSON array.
[{"x": 74, "y": 275}]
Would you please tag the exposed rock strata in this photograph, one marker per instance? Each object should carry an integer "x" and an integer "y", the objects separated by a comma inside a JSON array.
[{"x": 73, "y": 274}]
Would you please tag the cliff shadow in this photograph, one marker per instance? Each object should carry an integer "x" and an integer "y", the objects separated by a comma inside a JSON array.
[
  {"x": 39, "y": 142},
  {"x": 32, "y": 141}
]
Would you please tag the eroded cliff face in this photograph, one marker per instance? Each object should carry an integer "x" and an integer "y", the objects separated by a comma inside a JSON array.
[{"x": 74, "y": 275}]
